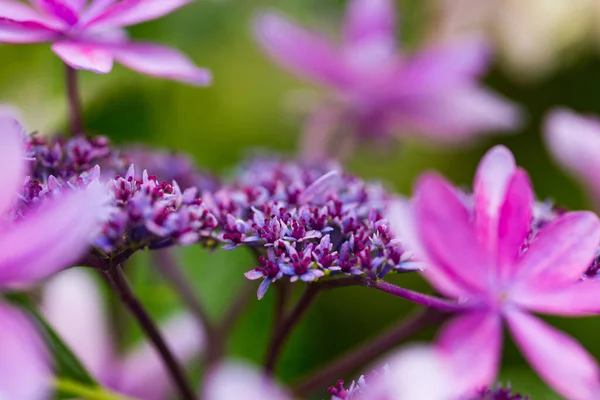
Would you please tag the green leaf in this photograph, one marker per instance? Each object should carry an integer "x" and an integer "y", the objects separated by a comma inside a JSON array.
[
  {"x": 67, "y": 364},
  {"x": 67, "y": 389}
]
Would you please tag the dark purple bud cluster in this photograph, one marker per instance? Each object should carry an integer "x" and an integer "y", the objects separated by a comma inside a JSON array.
[
  {"x": 356, "y": 388},
  {"x": 498, "y": 393},
  {"x": 306, "y": 222},
  {"x": 311, "y": 221}
]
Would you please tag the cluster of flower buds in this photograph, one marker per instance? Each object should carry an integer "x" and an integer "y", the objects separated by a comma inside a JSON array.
[
  {"x": 356, "y": 388},
  {"x": 311, "y": 221}
]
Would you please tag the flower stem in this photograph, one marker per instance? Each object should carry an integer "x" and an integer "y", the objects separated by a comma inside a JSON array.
[
  {"x": 284, "y": 329},
  {"x": 369, "y": 350},
  {"x": 75, "y": 109},
  {"x": 76, "y": 389},
  {"x": 120, "y": 285},
  {"x": 169, "y": 268},
  {"x": 407, "y": 294}
]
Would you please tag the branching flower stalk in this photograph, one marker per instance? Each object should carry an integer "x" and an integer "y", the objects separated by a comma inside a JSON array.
[{"x": 121, "y": 286}]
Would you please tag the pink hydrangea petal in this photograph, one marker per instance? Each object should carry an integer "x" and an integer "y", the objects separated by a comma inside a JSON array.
[
  {"x": 131, "y": 12},
  {"x": 237, "y": 381},
  {"x": 51, "y": 238},
  {"x": 447, "y": 236},
  {"x": 76, "y": 5},
  {"x": 25, "y": 372},
  {"x": 18, "y": 11},
  {"x": 160, "y": 61},
  {"x": 561, "y": 252},
  {"x": 73, "y": 295},
  {"x": 60, "y": 10},
  {"x": 12, "y": 162},
  {"x": 143, "y": 373},
  {"x": 86, "y": 56},
  {"x": 94, "y": 9},
  {"x": 558, "y": 358},
  {"x": 401, "y": 216},
  {"x": 493, "y": 175},
  {"x": 456, "y": 115},
  {"x": 441, "y": 67},
  {"x": 574, "y": 141},
  {"x": 304, "y": 53},
  {"x": 514, "y": 223},
  {"x": 579, "y": 299},
  {"x": 471, "y": 345},
  {"x": 25, "y": 32},
  {"x": 370, "y": 20}
]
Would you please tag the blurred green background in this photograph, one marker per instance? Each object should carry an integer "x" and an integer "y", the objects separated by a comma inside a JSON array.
[{"x": 249, "y": 107}]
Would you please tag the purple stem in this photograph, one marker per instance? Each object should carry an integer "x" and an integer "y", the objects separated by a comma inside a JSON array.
[
  {"x": 407, "y": 294},
  {"x": 370, "y": 350},
  {"x": 284, "y": 329},
  {"x": 121, "y": 286},
  {"x": 74, "y": 102},
  {"x": 169, "y": 268}
]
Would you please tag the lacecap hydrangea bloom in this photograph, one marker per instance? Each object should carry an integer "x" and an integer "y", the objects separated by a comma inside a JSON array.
[
  {"x": 35, "y": 242},
  {"x": 90, "y": 36},
  {"x": 380, "y": 90},
  {"x": 484, "y": 251}
]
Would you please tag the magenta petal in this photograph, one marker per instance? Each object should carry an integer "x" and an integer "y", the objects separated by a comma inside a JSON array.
[
  {"x": 471, "y": 345},
  {"x": 514, "y": 224},
  {"x": 51, "y": 238},
  {"x": 131, "y": 12},
  {"x": 441, "y": 67},
  {"x": 574, "y": 141},
  {"x": 578, "y": 299},
  {"x": 12, "y": 162},
  {"x": 489, "y": 189},
  {"x": 86, "y": 56},
  {"x": 25, "y": 32},
  {"x": 561, "y": 252},
  {"x": 558, "y": 358},
  {"x": 60, "y": 10},
  {"x": 143, "y": 374},
  {"x": 160, "y": 61},
  {"x": 25, "y": 372},
  {"x": 236, "y": 381},
  {"x": 370, "y": 20},
  {"x": 401, "y": 216},
  {"x": 18, "y": 11},
  {"x": 304, "y": 53},
  {"x": 458, "y": 114},
  {"x": 448, "y": 238},
  {"x": 73, "y": 295}
]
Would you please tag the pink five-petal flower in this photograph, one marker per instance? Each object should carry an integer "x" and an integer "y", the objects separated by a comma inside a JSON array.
[
  {"x": 89, "y": 36},
  {"x": 574, "y": 141},
  {"x": 486, "y": 252},
  {"x": 32, "y": 247},
  {"x": 433, "y": 93},
  {"x": 74, "y": 296}
]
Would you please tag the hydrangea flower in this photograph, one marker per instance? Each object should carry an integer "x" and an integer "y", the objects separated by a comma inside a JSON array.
[
  {"x": 486, "y": 253},
  {"x": 73, "y": 295},
  {"x": 313, "y": 222},
  {"x": 408, "y": 376},
  {"x": 574, "y": 141},
  {"x": 90, "y": 36},
  {"x": 46, "y": 239},
  {"x": 382, "y": 91}
]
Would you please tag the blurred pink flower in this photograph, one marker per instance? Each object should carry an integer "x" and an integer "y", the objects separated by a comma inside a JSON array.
[
  {"x": 574, "y": 140},
  {"x": 485, "y": 252},
  {"x": 32, "y": 247},
  {"x": 408, "y": 375},
  {"x": 433, "y": 93},
  {"x": 90, "y": 36},
  {"x": 73, "y": 305}
]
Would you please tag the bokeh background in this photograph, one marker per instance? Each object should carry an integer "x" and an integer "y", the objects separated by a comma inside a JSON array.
[{"x": 253, "y": 104}]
